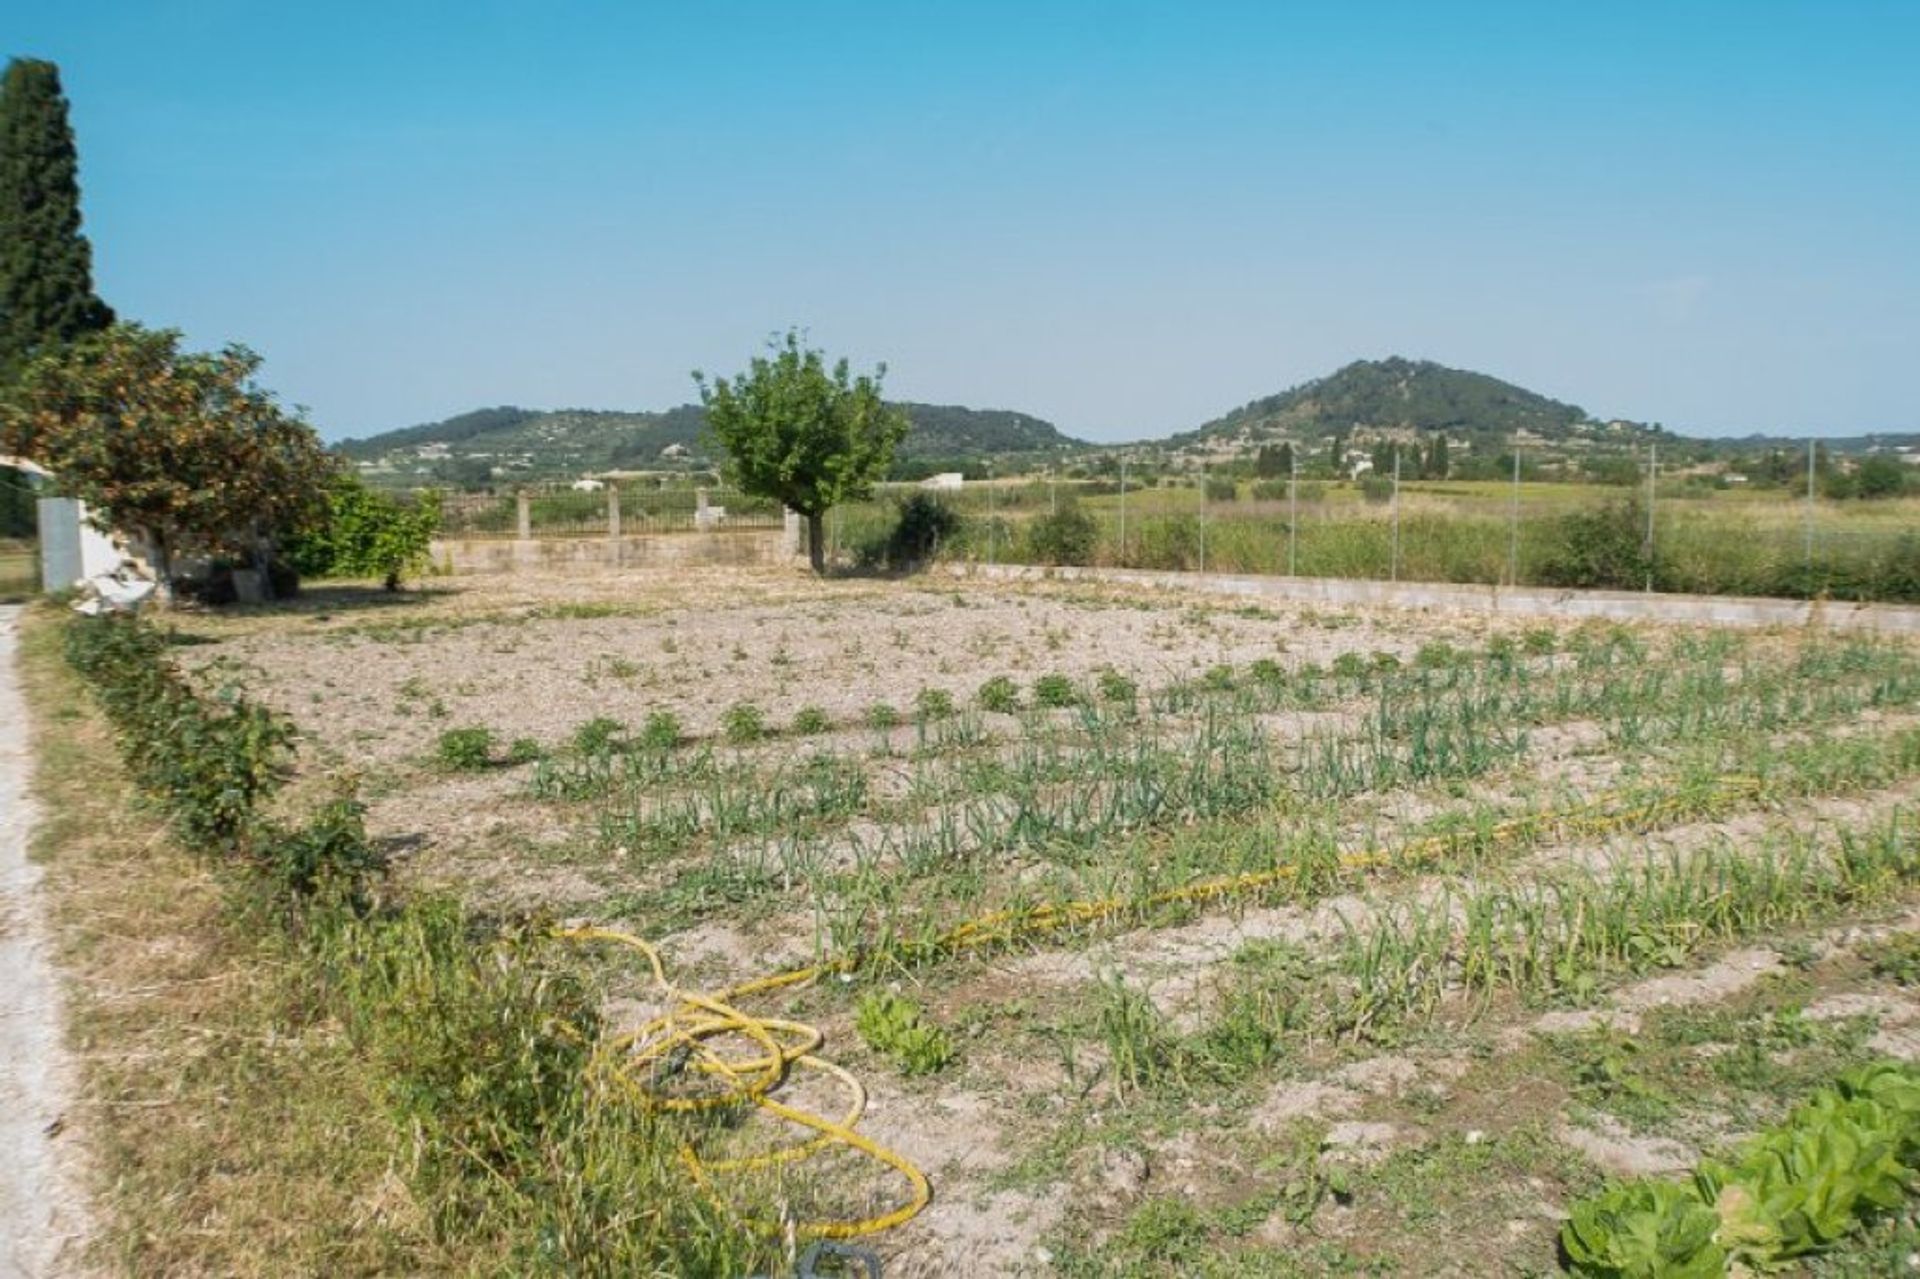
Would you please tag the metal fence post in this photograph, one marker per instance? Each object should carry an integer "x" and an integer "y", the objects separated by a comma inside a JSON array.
[
  {"x": 524, "y": 506},
  {"x": 1123, "y": 513},
  {"x": 1653, "y": 468},
  {"x": 1396, "y": 512},
  {"x": 1809, "y": 516},
  {"x": 1293, "y": 511},
  {"x": 1513, "y": 523}
]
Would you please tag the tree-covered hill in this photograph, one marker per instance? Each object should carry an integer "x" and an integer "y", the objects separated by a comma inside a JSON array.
[
  {"x": 1394, "y": 394},
  {"x": 534, "y": 443}
]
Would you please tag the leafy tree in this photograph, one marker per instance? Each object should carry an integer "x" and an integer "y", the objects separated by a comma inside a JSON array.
[
  {"x": 18, "y": 518},
  {"x": 46, "y": 273},
  {"x": 1437, "y": 464},
  {"x": 801, "y": 434},
  {"x": 179, "y": 449},
  {"x": 1274, "y": 461},
  {"x": 1067, "y": 536},
  {"x": 1879, "y": 475},
  {"x": 367, "y": 533}
]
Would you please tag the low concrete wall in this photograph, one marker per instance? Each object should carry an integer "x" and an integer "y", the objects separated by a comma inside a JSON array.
[
  {"x": 1523, "y": 601},
  {"x": 639, "y": 551}
]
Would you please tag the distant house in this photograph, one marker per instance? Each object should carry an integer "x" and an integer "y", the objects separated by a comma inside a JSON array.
[
  {"x": 588, "y": 486},
  {"x": 944, "y": 480},
  {"x": 674, "y": 450}
]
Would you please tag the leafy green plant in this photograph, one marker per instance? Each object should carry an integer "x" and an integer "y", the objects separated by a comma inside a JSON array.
[
  {"x": 743, "y": 723},
  {"x": 466, "y": 749},
  {"x": 524, "y": 750},
  {"x": 809, "y": 720},
  {"x": 897, "y": 1027},
  {"x": 1643, "y": 1230},
  {"x": 882, "y": 716},
  {"x": 1067, "y": 536},
  {"x": 597, "y": 735},
  {"x": 933, "y": 704},
  {"x": 662, "y": 731},
  {"x": 999, "y": 694},
  {"x": 1054, "y": 691},
  {"x": 1117, "y": 688}
]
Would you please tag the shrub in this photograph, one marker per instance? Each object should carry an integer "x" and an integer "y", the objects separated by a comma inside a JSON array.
[
  {"x": 1054, "y": 691},
  {"x": 1377, "y": 489},
  {"x": 1218, "y": 679},
  {"x": 1436, "y": 654},
  {"x": 1066, "y": 536},
  {"x": 1267, "y": 671},
  {"x": 924, "y": 525},
  {"x": 466, "y": 749},
  {"x": 662, "y": 731},
  {"x": 1598, "y": 549},
  {"x": 1269, "y": 490},
  {"x": 367, "y": 533},
  {"x": 809, "y": 720},
  {"x": 999, "y": 694},
  {"x": 882, "y": 716},
  {"x": 523, "y": 751},
  {"x": 933, "y": 703},
  {"x": 743, "y": 723},
  {"x": 896, "y": 1027},
  {"x": 1220, "y": 490}
]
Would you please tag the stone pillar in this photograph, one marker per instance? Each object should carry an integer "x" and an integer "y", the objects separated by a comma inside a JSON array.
[
  {"x": 701, "y": 519},
  {"x": 526, "y": 515},
  {"x": 613, "y": 523},
  {"x": 790, "y": 532}
]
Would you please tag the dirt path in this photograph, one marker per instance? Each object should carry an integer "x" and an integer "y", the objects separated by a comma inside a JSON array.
[{"x": 39, "y": 1211}]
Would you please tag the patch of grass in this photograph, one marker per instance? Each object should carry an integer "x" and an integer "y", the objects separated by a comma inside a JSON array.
[
  {"x": 598, "y": 735},
  {"x": 809, "y": 720}
]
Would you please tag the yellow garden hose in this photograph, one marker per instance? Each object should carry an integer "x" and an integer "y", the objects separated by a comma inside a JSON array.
[{"x": 661, "y": 1065}]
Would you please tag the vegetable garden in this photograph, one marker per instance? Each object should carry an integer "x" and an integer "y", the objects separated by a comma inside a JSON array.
[{"x": 1157, "y": 938}]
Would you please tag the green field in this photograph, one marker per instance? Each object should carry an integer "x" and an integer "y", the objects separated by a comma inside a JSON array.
[
  {"x": 19, "y": 570},
  {"x": 1703, "y": 540}
]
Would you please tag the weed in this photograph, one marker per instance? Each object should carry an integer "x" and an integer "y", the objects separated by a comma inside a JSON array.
[
  {"x": 597, "y": 736},
  {"x": 466, "y": 749},
  {"x": 1054, "y": 691},
  {"x": 809, "y": 720},
  {"x": 1000, "y": 695},
  {"x": 882, "y": 717},
  {"x": 662, "y": 731},
  {"x": 932, "y": 704}
]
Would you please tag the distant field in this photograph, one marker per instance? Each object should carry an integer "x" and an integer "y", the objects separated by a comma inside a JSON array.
[
  {"x": 19, "y": 569},
  {"x": 1708, "y": 541}
]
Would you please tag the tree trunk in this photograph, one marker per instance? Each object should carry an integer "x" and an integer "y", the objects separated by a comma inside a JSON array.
[
  {"x": 817, "y": 542},
  {"x": 162, "y": 564}
]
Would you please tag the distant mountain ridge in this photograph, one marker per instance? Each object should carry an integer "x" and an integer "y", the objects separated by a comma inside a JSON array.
[
  {"x": 542, "y": 442},
  {"x": 1397, "y": 395}
]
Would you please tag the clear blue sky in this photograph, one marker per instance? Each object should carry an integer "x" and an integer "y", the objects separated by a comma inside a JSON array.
[{"x": 1123, "y": 217}]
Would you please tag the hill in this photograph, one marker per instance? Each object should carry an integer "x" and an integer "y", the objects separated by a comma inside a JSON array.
[
  {"x": 542, "y": 444},
  {"x": 1396, "y": 396}
]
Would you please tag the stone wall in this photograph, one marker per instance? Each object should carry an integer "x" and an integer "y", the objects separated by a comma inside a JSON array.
[{"x": 638, "y": 551}]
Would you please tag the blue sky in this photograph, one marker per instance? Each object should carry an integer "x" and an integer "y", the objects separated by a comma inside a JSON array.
[{"x": 1126, "y": 218}]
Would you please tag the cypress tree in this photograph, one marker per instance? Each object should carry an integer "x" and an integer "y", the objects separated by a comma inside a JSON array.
[{"x": 46, "y": 274}]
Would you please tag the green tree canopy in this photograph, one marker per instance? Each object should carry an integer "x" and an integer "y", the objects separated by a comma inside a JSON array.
[
  {"x": 793, "y": 430},
  {"x": 367, "y": 533},
  {"x": 46, "y": 267},
  {"x": 180, "y": 449}
]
